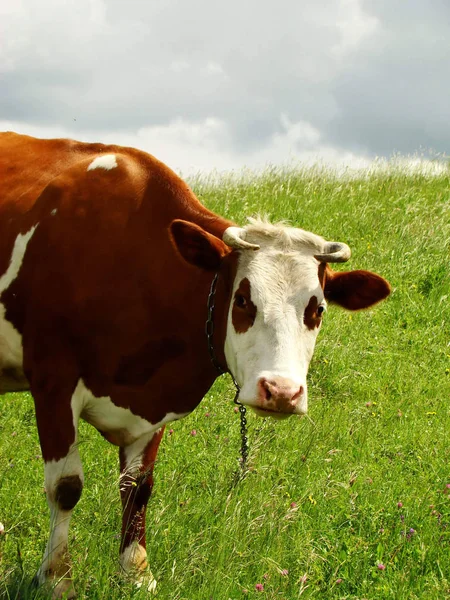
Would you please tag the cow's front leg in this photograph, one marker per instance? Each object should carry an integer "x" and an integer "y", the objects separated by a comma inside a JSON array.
[
  {"x": 136, "y": 483},
  {"x": 63, "y": 485},
  {"x": 53, "y": 383}
]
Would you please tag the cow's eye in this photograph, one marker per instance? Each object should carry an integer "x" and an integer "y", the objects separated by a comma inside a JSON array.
[
  {"x": 240, "y": 301},
  {"x": 320, "y": 310}
]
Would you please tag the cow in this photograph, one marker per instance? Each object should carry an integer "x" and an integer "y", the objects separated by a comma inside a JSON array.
[{"x": 107, "y": 260}]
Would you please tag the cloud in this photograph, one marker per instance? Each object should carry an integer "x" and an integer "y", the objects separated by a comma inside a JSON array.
[{"x": 210, "y": 84}]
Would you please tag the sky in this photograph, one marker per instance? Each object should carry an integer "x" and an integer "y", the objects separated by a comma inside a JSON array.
[{"x": 206, "y": 85}]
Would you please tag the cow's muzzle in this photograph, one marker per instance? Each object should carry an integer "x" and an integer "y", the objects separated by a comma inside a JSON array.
[{"x": 279, "y": 397}]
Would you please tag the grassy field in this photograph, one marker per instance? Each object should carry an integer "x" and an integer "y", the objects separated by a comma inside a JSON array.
[{"x": 350, "y": 503}]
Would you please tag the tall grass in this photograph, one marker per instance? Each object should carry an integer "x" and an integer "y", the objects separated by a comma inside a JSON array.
[{"x": 352, "y": 502}]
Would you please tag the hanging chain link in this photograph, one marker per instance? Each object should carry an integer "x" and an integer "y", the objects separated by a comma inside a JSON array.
[{"x": 209, "y": 330}]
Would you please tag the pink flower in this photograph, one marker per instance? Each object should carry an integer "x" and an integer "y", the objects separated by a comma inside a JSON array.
[
  {"x": 399, "y": 504},
  {"x": 381, "y": 567},
  {"x": 170, "y": 431},
  {"x": 259, "y": 587},
  {"x": 193, "y": 432},
  {"x": 338, "y": 581},
  {"x": 236, "y": 409},
  {"x": 284, "y": 572},
  {"x": 293, "y": 504},
  {"x": 207, "y": 414},
  {"x": 303, "y": 578}
]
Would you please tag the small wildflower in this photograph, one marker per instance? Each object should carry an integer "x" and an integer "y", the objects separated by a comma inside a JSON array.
[
  {"x": 382, "y": 530},
  {"x": 293, "y": 504},
  {"x": 402, "y": 518},
  {"x": 194, "y": 432},
  {"x": 259, "y": 587},
  {"x": 2, "y": 529},
  {"x": 303, "y": 578},
  {"x": 284, "y": 572},
  {"x": 448, "y": 486},
  {"x": 338, "y": 581},
  {"x": 170, "y": 431},
  {"x": 368, "y": 404},
  {"x": 266, "y": 575},
  {"x": 207, "y": 414},
  {"x": 236, "y": 409},
  {"x": 381, "y": 567},
  {"x": 399, "y": 504}
]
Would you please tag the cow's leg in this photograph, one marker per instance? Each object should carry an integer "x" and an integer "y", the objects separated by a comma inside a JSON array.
[
  {"x": 63, "y": 485},
  {"x": 136, "y": 483},
  {"x": 58, "y": 406}
]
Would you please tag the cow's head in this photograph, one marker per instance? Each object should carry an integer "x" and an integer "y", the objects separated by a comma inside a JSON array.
[{"x": 279, "y": 291}]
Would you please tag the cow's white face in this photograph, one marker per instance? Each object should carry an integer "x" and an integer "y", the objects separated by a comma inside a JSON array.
[
  {"x": 276, "y": 304},
  {"x": 274, "y": 317}
]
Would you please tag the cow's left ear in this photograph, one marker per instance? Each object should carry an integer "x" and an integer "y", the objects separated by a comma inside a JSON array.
[
  {"x": 197, "y": 246},
  {"x": 354, "y": 290}
]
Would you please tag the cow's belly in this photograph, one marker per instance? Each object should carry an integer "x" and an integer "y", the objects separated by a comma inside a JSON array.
[{"x": 118, "y": 425}]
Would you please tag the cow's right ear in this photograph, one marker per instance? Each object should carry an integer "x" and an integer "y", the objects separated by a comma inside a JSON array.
[{"x": 197, "y": 246}]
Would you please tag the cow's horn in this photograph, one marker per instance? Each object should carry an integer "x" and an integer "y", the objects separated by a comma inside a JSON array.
[
  {"x": 334, "y": 252},
  {"x": 234, "y": 237}
]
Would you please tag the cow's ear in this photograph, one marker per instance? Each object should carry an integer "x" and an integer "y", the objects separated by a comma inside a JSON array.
[
  {"x": 197, "y": 246},
  {"x": 354, "y": 290}
]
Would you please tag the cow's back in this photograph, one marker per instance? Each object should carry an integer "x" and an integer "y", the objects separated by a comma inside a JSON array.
[{"x": 85, "y": 250}]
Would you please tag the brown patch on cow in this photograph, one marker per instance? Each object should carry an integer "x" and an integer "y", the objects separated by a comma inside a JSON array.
[
  {"x": 137, "y": 368},
  {"x": 244, "y": 311},
  {"x": 68, "y": 491},
  {"x": 311, "y": 318}
]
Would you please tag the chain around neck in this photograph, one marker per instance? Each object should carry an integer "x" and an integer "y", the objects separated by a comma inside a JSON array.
[{"x": 209, "y": 330}]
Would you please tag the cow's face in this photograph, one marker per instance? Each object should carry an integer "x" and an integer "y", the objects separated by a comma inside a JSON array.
[
  {"x": 277, "y": 302},
  {"x": 275, "y": 313}
]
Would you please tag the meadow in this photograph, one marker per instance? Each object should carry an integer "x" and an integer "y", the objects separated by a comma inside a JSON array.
[{"x": 350, "y": 502}]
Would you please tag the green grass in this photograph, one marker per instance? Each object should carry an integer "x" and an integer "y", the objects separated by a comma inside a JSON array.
[{"x": 322, "y": 496}]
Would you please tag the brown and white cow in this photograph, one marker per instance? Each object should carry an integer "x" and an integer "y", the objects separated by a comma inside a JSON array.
[{"x": 106, "y": 262}]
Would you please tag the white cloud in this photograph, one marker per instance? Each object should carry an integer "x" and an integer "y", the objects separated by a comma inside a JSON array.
[{"x": 205, "y": 83}]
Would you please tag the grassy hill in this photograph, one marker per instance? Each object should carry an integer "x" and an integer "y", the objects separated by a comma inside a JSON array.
[{"x": 350, "y": 502}]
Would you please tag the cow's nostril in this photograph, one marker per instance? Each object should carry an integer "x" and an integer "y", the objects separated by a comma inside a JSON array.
[
  {"x": 299, "y": 393},
  {"x": 265, "y": 386}
]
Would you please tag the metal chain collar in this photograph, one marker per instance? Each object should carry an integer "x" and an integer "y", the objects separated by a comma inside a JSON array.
[{"x": 209, "y": 330}]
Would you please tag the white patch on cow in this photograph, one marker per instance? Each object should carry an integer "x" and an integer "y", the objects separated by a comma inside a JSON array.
[
  {"x": 53, "y": 212},
  {"x": 56, "y": 561},
  {"x": 134, "y": 559},
  {"x": 11, "y": 355},
  {"x": 283, "y": 276},
  {"x": 133, "y": 453},
  {"x": 117, "y": 423},
  {"x": 106, "y": 161}
]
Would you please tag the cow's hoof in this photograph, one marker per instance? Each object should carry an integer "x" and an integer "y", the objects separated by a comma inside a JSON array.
[
  {"x": 146, "y": 581},
  {"x": 62, "y": 590}
]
